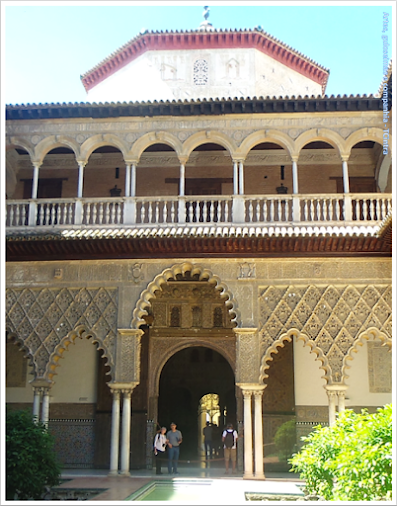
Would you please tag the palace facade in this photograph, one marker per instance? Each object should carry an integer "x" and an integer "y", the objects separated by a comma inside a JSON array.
[{"x": 175, "y": 256}]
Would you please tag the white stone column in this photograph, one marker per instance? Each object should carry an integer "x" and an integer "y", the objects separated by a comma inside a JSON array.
[
  {"x": 248, "y": 471},
  {"x": 235, "y": 178},
  {"x": 45, "y": 408},
  {"x": 115, "y": 435},
  {"x": 259, "y": 467},
  {"x": 341, "y": 400},
  {"x": 81, "y": 180},
  {"x": 133, "y": 180},
  {"x": 35, "y": 182},
  {"x": 126, "y": 432},
  {"x": 346, "y": 184},
  {"x": 37, "y": 391},
  {"x": 182, "y": 180},
  {"x": 331, "y": 406},
  {"x": 127, "y": 179},
  {"x": 241, "y": 176},
  {"x": 294, "y": 175}
]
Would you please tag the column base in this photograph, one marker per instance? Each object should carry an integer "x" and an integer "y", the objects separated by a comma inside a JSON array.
[
  {"x": 125, "y": 473},
  {"x": 259, "y": 477},
  {"x": 113, "y": 473},
  {"x": 248, "y": 476}
]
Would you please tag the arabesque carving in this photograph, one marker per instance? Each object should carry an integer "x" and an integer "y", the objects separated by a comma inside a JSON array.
[
  {"x": 45, "y": 321},
  {"x": 328, "y": 318}
]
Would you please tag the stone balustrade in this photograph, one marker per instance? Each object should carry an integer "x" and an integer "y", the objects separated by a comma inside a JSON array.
[{"x": 319, "y": 209}]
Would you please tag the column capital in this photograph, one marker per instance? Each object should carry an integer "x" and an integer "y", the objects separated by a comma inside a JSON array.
[
  {"x": 335, "y": 387},
  {"x": 132, "y": 162},
  {"x": 345, "y": 158},
  {"x": 245, "y": 331},
  {"x": 118, "y": 387},
  {"x": 37, "y": 163},
  {"x": 294, "y": 158},
  {"x": 131, "y": 332},
  {"x": 238, "y": 159},
  {"x": 183, "y": 159},
  {"x": 81, "y": 163},
  {"x": 251, "y": 388}
]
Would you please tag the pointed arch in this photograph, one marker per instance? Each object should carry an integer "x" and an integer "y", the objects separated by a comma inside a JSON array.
[
  {"x": 299, "y": 336},
  {"x": 367, "y": 335},
  {"x": 170, "y": 273},
  {"x": 80, "y": 332},
  {"x": 13, "y": 338},
  {"x": 151, "y": 138},
  {"x": 52, "y": 142},
  {"x": 319, "y": 134},
  {"x": 214, "y": 137},
  {"x": 97, "y": 141},
  {"x": 275, "y": 136}
]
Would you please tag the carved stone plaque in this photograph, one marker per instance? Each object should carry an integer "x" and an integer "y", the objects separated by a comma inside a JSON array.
[{"x": 379, "y": 368}]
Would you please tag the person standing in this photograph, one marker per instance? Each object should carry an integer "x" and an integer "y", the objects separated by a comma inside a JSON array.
[
  {"x": 174, "y": 438},
  {"x": 207, "y": 433},
  {"x": 159, "y": 446},
  {"x": 229, "y": 439}
]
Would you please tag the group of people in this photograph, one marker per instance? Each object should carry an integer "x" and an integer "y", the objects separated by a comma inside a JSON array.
[{"x": 173, "y": 438}]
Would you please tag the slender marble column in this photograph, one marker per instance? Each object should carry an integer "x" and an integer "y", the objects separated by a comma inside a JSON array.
[
  {"x": 341, "y": 401},
  {"x": 45, "y": 408},
  {"x": 241, "y": 177},
  {"x": 346, "y": 184},
  {"x": 182, "y": 180},
  {"x": 115, "y": 436},
  {"x": 248, "y": 471},
  {"x": 125, "y": 433},
  {"x": 235, "y": 178},
  {"x": 36, "y": 402},
  {"x": 81, "y": 180},
  {"x": 331, "y": 407},
  {"x": 133, "y": 180},
  {"x": 259, "y": 472},
  {"x": 294, "y": 176},
  {"x": 127, "y": 179},
  {"x": 35, "y": 183}
]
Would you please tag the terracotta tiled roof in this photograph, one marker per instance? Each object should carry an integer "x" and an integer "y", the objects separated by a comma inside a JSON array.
[{"x": 212, "y": 39}]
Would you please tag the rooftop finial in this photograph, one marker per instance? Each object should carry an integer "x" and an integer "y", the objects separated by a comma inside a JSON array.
[{"x": 206, "y": 25}]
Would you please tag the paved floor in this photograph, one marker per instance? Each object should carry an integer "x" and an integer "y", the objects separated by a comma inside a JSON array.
[{"x": 228, "y": 489}]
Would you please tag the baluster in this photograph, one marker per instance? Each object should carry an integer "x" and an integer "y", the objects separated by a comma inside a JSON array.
[
  {"x": 271, "y": 210},
  {"x": 18, "y": 215},
  {"x": 211, "y": 210},
  {"x": 52, "y": 211},
  {"x": 318, "y": 210},
  {"x": 372, "y": 209},
  {"x": 227, "y": 212},
  {"x": 258, "y": 210},
  {"x": 41, "y": 214},
  {"x": 10, "y": 216},
  {"x": 382, "y": 209},
  {"x": 150, "y": 211},
  {"x": 143, "y": 205},
  {"x": 94, "y": 213},
  {"x": 156, "y": 212},
  {"x": 279, "y": 211},
  {"x": 311, "y": 212},
  {"x": 250, "y": 211},
  {"x": 165, "y": 211},
  {"x": 173, "y": 209}
]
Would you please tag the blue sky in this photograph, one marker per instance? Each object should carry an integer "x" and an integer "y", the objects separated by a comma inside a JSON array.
[{"x": 46, "y": 46}]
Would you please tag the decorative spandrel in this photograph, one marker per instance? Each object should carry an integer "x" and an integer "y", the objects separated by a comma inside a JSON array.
[{"x": 331, "y": 316}]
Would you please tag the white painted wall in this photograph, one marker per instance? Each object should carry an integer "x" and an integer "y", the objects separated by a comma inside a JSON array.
[
  {"x": 358, "y": 393},
  {"x": 168, "y": 75},
  {"x": 75, "y": 380},
  {"x": 309, "y": 384}
]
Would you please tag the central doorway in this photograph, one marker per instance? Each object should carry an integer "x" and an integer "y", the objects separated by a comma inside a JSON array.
[{"x": 186, "y": 378}]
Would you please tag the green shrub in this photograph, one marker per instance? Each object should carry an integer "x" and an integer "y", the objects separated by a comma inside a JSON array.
[
  {"x": 351, "y": 460},
  {"x": 31, "y": 462},
  {"x": 285, "y": 440}
]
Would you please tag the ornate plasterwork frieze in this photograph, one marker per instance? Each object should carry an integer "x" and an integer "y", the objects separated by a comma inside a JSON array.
[
  {"x": 45, "y": 321},
  {"x": 332, "y": 317}
]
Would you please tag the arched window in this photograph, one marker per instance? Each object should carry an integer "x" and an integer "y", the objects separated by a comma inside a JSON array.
[
  {"x": 175, "y": 320},
  {"x": 196, "y": 316},
  {"x": 218, "y": 317}
]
